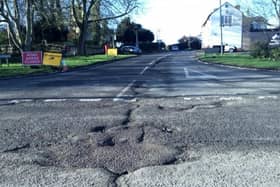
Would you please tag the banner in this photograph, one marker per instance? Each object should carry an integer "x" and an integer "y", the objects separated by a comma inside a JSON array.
[
  {"x": 31, "y": 58},
  {"x": 112, "y": 52},
  {"x": 52, "y": 59}
]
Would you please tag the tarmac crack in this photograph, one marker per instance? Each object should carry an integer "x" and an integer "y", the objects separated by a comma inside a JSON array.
[
  {"x": 17, "y": 148},
  {"x": 128, "y": 115},
  {"x": 192, "y": 107},
  {"x": 140, "y": 139},
  {"x": 127, "y": 119}
]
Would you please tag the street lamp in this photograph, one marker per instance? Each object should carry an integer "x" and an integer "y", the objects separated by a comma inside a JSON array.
[
  {"x": 221, "y": 29},
  {"x": 136, "y": 28}
]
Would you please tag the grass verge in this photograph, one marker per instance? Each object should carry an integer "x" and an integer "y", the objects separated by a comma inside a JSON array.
[
  {"x": 19, "y": 70},
  {"x": 241, "y": 60},
  {"x": 16, "y": 69},
  {"x": 79, "y": 61}
]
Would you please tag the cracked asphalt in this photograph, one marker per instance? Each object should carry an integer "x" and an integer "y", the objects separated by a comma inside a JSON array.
[{"x": 146, "y": 130}]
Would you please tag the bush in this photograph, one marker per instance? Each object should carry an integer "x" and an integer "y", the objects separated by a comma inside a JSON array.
[
  {"x": 260, "y": 50},
  {"x": 275, "y": 54}
]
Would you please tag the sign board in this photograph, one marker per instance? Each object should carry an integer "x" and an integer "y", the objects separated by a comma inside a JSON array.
[
  {"x": 52, "y": 59},
  {"x": 112, "y": 52},
  {"x": 3, "y": 56},
  {"x": 31, "y": 58}
]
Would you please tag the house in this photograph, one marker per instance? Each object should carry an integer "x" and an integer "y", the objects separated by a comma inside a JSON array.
[
  {"x": 255, "y": 29},
  {"x": 238, "y": 30},
  {"x": 231, "y": 21}
]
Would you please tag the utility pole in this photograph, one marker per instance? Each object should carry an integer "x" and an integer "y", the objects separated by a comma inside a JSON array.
[
  {"x": 137, "y": 27},
  {"x": 158, "y": 39},
  {"x": 221, "y": 29}
]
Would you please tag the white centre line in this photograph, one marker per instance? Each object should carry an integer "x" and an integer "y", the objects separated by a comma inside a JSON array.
[
  {"x": 187, "y": 75},
  {"x": 121, "y": 94},
  {"x": 144, "y": 70}
]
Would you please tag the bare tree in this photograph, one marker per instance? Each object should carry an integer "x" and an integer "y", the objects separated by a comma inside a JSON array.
[
  {"x": 109, "y": 9},
  {"x": 276, "y": 5},
  {"x": 18, "y": 14},
  {"x": 267, "y": 9}
]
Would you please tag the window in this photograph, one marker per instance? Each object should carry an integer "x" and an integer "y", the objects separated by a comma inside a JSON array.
[{"x": 226, "y": 20}]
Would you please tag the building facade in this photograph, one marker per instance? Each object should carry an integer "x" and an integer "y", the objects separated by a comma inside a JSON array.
[
  {"x": 238, "y": 30},
  {"x": 231, "y": 21}
]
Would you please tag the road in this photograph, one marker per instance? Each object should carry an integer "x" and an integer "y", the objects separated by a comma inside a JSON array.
[{"x": 153, "y": 120}]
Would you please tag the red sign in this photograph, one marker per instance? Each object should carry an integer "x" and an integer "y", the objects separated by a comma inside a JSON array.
[{"x": 32, "y": 58}]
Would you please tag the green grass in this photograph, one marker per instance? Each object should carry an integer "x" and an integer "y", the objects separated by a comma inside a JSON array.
[
  {"x": 79, "y": 61},
  {"x": 16, "y": 69},
  {"x": 241, "y": 60}
]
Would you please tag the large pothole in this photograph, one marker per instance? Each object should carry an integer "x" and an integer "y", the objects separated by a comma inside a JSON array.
[{"x": 120, "y": 149}]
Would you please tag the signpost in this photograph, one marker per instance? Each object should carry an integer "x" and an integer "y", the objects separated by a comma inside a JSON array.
[
  {"x": 5, "y": 56},
  {"x": 52, "y": 59},
  {"x": 32, "y": 58}
]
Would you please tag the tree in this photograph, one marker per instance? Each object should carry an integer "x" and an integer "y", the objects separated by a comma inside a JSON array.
[
  {"x": 264, "y": 8},
  {"x": 24, "y": 17},
  {"x": 52, "y": 20},
  {"x": 19, "y": 16},
  {"x": 126, "y": 32},
  {"x": 111, "y": 9},
  {"x": 190, "y": 42}
]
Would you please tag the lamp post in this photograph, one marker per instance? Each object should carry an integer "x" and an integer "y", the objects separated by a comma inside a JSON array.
[
  {"x": 136, "y": 28},
  {"x": 221, "y": 29}
]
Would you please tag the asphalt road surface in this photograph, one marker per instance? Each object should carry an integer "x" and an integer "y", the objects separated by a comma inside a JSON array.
[{"x": 153, "y": 120}]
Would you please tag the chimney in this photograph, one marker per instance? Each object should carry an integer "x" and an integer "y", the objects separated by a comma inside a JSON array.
[{"x": 237, "y": 7}]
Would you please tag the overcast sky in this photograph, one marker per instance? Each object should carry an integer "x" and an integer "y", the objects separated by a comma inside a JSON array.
[{"x": 171, "y": 19}]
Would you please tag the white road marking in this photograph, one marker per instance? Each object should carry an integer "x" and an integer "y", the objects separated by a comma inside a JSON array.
[
  {"x": 16, "y": 101},
  {"x": 126, "y": 100},
  {"x": 144, "y": 70},
  {"x": 187, "y": 75},
  {"x": 268, "y": 97},
  {"x": 121, "y": 94},
  {"x": 231, "y": 98},
  {"x": 90, "y": 100},
  {"x": 54, "y": 100},
  {"x": 202, "y": 75}
]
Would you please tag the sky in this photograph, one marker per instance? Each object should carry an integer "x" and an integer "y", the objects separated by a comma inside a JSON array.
[{"x": 170, "y": 20}]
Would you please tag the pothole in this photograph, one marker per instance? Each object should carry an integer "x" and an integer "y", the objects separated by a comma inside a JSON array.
[
  {"x": 140, "y": 139},
  {"x": 107, "y": 142},
  {"x": 98, "y": 129}
]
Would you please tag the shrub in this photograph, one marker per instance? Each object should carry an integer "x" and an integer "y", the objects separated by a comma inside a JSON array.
[
  {"x": 275, "y": 54},
  {"x": 260, "y": 50}
]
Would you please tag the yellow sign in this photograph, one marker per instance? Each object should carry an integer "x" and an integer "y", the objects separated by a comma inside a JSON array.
[
  {"x": 52, "y": 59},
  {"x": 112, "y": 52}
]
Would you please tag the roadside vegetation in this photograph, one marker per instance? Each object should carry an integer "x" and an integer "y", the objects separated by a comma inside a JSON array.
[
  {"x": 261, "y": 56},
  {"x": 17, "y": 69},
  {"x": 242, "y": 60}
]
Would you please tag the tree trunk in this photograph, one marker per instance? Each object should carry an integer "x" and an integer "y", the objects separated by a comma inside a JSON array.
[
  {"x": 82, "y": 39},
  {"x": 29, "y": 25}
]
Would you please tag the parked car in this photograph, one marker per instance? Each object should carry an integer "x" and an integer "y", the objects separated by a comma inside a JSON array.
[
  {"x": 275, "y": 40},
  {"x": 174, "y": 48},
  {"x": 129, "y": 49},
  {"x": 230, "y": 48}
]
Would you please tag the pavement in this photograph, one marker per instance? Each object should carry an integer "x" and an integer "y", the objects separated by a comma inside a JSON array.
[{"x": 144, "y": 131}]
